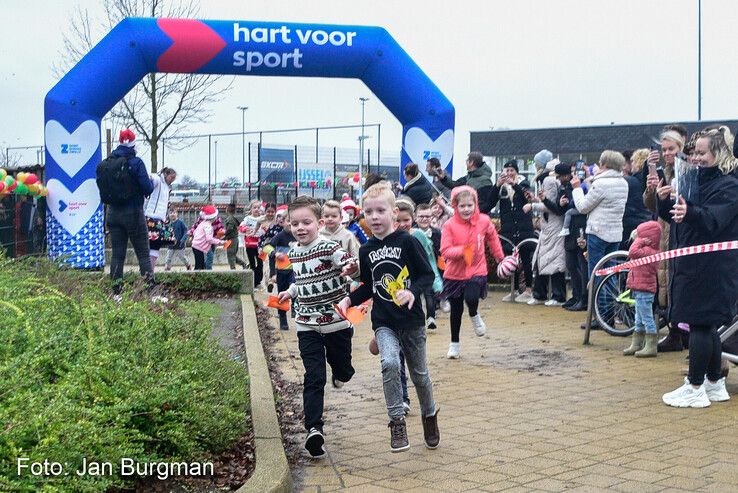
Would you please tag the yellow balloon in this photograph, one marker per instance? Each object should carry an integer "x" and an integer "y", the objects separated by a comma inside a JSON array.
[
  {"x": 33, "y": 188},
  {"x": 3, "y": 174},
  {"x": 21, "y": 177}
]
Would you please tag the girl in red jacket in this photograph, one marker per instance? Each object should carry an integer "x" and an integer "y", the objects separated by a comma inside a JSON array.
[
  {"x": 643, "y": 281},
  {"x": 462, "y": 245}
]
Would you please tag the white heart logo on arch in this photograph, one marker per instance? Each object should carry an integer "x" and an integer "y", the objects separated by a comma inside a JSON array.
[
  {"x": 421, "y": 148},
  {"x": 72, "y": 151},
  {"x": 73, "y": 209}
]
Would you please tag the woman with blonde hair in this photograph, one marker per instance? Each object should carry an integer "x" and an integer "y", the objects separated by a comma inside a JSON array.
[
  {"x": 635, "y": 212},
  {"x": 672, "y": 143}
]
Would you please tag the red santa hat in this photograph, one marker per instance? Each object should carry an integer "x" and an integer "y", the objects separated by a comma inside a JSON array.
[
  {"x": 208, "y": 212},
  {"x": 282, "y": 210},
  {"x": 127, "y": 138},
  {"x": 347, "y": 203}
]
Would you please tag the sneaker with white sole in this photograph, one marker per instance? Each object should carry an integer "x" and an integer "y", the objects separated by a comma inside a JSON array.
[
  {"x": 314, "y": 443},
  {"x": 523, "y": 298},
  {"x": 337, "y": 384},
  {"x": 564, "y": 232},
  {"x": 430, "y": 323},
  {"x": 716, "y": 392},
  {"x": 509, "y": 298},
  {"x": 445, "y": 306},
  {"x": 687, "y": 396},
  {"x": 553, "y": 302},
  {"x": 406, "y": 407},
  {"x": 534, "y": 301},
  {"x": 479, "y": 326},
  {"x": 453, "y": 350},
  {"x": 398, "y": 435}
]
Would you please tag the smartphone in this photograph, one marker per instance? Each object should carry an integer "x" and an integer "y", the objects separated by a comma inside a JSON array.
[
  {"x": 652, "y": 166},
  {"x": 579, "y": 167},
  {"x": 655, "y": 146},
  {"x": 660, "y": 173}
]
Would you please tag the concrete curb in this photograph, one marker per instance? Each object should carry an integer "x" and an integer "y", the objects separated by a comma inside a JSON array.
[{"x": 272, "y": 473}]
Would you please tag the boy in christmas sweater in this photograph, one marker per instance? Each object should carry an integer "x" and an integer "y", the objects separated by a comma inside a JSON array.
[
  {"x": 395, "y": 274},
  {"x": 323, "y": 335}
]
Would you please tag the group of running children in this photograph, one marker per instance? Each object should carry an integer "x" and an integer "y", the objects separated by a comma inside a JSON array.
[{"x": 322, "y": 269}]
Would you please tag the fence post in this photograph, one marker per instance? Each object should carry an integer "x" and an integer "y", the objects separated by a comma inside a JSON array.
[
  {"x": 294, "y": 176},
  {"x": 316, "y": 144},
  {"x": 334, "y": 172},
  {"x": 379, "y": 146},
  {"x": 258, "y": 169},
  {"x": 249, "y": 171},
  {"x": 210, "y": 155}
]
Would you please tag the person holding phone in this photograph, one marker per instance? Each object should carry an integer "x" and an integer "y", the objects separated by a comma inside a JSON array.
[{"x": 671, "y": 143}]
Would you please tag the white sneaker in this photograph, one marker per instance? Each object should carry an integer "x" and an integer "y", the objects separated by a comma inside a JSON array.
[
  {"x": 445, "y": 306},
  {"x": 564, "y": 232},
  {"x": 716, "y": 392},
  {"x": 159, "y": 299},
  {"x": 479, "y": 327},
  {"x": 523, "y": 298},
  {"x": 533, "y": 301},
  {"x": 509, "y": 298},
  {"x": 453, "y": 350},
  {"x": 430, "y": 323},
  {"x": 687, "y": 396},
  {"x": 553, "y": 302}
]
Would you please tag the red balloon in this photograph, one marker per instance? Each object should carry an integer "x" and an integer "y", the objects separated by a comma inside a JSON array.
[{"x": 31, "y": 179}]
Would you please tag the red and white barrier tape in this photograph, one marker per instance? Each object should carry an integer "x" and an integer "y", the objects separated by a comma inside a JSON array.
[{"x": 679, "y": 252}]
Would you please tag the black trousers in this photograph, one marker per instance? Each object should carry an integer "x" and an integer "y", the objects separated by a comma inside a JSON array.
[
  {"x": 199, "y": 259},
  {"x": 705, "y": 351},
  {"x": 128, "y": 224},
  {"x": 526, "y": 263},
  {"x": 256, "y": 264},
  {"x": 576, "y": 264},
  {"x": 315, "y": 350},
  {"x": 430, "y": 303},
  {"x": 558, "y": 287},
  {"x": 472, "y": 292},
  {"x": 284, "y": 279}
]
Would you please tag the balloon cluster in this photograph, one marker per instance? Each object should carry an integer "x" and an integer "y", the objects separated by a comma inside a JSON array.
[
  {"x": 355, "y": 179},
  {"x": 22, "y": 184}
]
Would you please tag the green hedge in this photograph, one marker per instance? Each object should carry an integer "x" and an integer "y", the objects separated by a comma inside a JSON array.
[
  {"x": 82, "y": 377},
  {"x": 197, "y": 283}
]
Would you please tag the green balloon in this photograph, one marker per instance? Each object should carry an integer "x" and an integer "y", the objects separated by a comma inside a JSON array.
[{"x": 21, "y": 189}]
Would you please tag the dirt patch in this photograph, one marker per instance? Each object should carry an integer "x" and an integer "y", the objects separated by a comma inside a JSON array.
[
  {"x": 513, "y": 356},
  {"x": 289, "y": 397}
]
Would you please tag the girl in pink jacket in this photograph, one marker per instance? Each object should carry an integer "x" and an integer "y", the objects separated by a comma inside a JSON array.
[
  {"x": 462, "y": 245},
  {"x": 203, "y": 237}
]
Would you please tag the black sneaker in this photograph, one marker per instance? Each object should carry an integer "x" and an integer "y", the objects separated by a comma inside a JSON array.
[
  {"x": 570, "y": 302},
  {"x": 430, "y": 430},
  {"x": 398, "y": 435},
  {"x": 314, "y": 443}
]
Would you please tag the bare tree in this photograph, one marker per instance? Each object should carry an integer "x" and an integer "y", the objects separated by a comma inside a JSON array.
[
  {"x": 188, "y": 182},
  {"x": 161, "y": 103}
]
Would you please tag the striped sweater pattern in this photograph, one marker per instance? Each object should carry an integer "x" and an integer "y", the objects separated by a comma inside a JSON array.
[{"x": 318, "y": 285}]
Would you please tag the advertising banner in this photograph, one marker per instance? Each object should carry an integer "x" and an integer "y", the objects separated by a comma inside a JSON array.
[
  {"x": 315, "y": 180},
  {"x": 277, "y": 166}
]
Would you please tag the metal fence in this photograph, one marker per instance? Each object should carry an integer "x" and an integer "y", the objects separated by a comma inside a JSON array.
[{"x": 22, "y": 226}]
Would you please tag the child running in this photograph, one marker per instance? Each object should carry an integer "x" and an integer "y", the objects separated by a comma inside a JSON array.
[
  {"x": 423, "y": 218},
  {"x": 280, "y": 264},
  {"x": 333, "y": 230},
  {"x": 465, "y": 277},
  {"x": 352, "y": 224},
  {"x": 642, "y": 281},
  {"x": 231, "y": 235},
  {"x": 395, "y": 274},
  {"x": 323, "y": 335}
]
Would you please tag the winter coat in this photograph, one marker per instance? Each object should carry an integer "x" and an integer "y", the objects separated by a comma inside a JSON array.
[
  {"x": 427, "y": 245},
  {"x": 203, "y": 237},
  {"x": 650, "y": 201},
  {"x": 635, "y": 212},
  {"x": 419, "y": 190},
  {"x": 604, "y": 205},
  {"x": 459, "y": 236},
  {"x": 138, "y": 173},
  {"x": 343, "y": 237},
  {"x": 479, "y": 179},
  {"x": 703, "y": 287},
  {"x": 516, "y": 225},
  {"x": 157, "y": 204},
  {"x": 550, "y": 256},
  {"x": 644, "y": 277},
  {"x": 253, "y": 230}
]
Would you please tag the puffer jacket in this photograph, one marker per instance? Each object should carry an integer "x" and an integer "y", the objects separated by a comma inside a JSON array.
[
  {"x": 550, "y": 256},
  {"x": 644, "y": 277},
  {"x": 419, "y": 190},
  {"x": 703, "y": 287},
  {"x": 604, "y": 205},
  {"x": 459, "y": 235}
]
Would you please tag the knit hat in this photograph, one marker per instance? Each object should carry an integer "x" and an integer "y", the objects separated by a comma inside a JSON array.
[
  {"x": 512, "y": 164},
  {"x": 127, "y": 138},
  {"x": 347, "y": 203},
  {"x": 542, "y": 158},
  {"x": 281, "y": 210},
  {"x": 562, "y": 169},
  {"x": 208, "y": 212},
  {"x": 551, "y": 165}
]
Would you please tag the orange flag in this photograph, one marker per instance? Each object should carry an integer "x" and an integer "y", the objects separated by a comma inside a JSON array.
[
  {"x": 227, "y": 244},
  {"x": 468, "y": 254},
  {"x": 441, "y": 263},
  {"x": 282, "y": 261},
  {"x": 353, "y": 314},
  {"x": 273, "y": 302}
]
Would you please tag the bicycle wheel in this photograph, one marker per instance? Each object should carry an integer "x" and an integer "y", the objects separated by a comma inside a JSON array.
[{"x": 614, "y": 309}]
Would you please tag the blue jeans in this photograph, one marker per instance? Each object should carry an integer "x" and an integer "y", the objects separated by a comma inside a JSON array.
[
  {"x": 597, "y": 248},
  {"x": 644, "y": 312},
  {"x": 209, "y": 258},
  {"x": 412, "y": 343}
]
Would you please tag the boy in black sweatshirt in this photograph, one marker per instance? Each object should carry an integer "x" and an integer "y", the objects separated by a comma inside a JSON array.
[{"x": 395, "y": 274}]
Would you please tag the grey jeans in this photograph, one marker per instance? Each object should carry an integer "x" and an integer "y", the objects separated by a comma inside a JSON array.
[{"x": 412, "y": 343}]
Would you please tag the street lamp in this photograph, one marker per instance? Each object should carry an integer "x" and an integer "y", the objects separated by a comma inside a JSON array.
[
  {"x": 699, "y": 60},
  {"x": 215, "y": 165},
  {"x": 361, "y": 148},
  {"x": 243, "y": 145}
]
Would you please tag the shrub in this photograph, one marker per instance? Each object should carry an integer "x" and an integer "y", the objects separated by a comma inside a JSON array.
[{"x": 82, "y": 377}]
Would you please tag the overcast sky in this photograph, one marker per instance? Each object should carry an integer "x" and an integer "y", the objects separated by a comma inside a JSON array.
[{"x": 522, "y": 64}]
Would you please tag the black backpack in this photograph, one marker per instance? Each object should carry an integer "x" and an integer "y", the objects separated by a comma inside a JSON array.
[{"x": 114, "y": 181}]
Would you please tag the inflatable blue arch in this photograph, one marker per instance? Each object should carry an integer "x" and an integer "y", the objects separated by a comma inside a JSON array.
[{"x": 74, "y": 107}]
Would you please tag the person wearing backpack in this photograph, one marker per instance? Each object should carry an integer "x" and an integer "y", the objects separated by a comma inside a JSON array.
[{"x": 125, "y": 218}]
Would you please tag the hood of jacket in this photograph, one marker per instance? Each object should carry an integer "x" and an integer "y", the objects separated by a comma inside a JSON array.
[
  {"x": 650, "y": 230},
  {"x": 457, "y": 217},
  {"x": 124, "y": 151}
]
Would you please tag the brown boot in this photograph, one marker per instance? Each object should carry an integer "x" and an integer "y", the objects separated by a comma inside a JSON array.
[
  {"x": 430, "y": 431},
  {"x": 636, "y": 344},
  {"x": 398, "y": 435},
  {"x": 672, "y": 342},
  {"x": 649, "y": 349}
]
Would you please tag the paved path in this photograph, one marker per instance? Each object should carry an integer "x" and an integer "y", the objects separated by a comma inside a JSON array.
[{"x": 527, "y": 408}]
